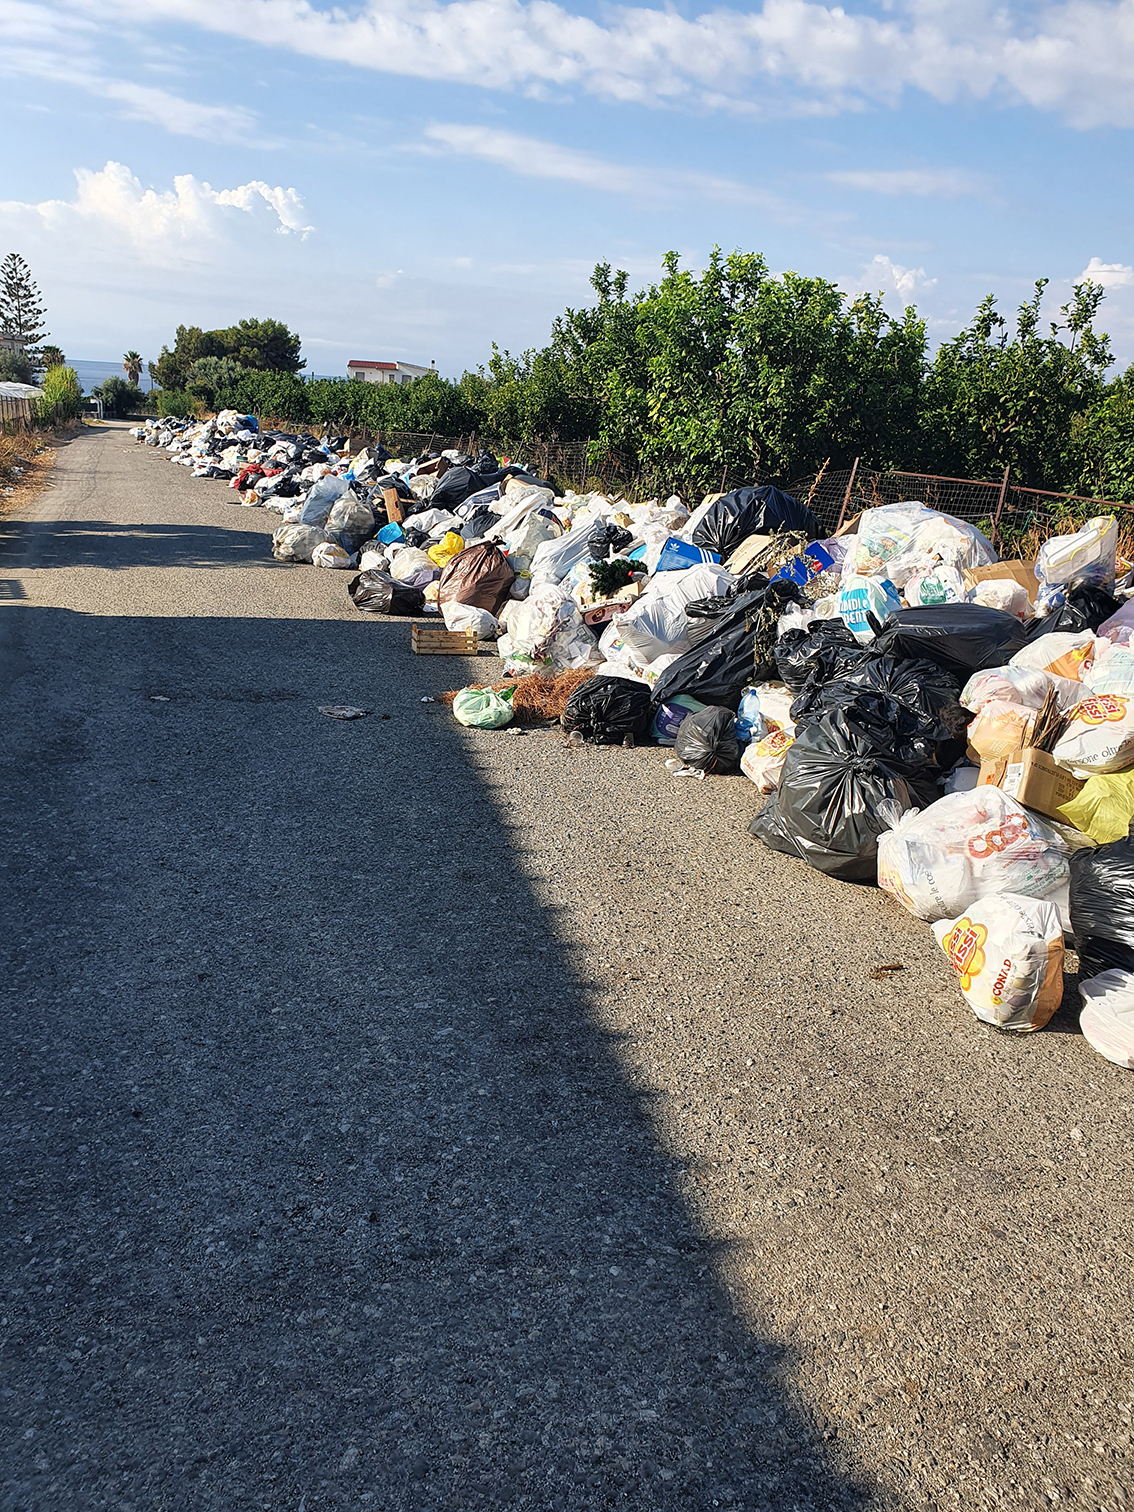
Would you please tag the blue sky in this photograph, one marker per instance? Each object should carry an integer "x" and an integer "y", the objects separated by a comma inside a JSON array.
[{"x": 415, "y": 179}]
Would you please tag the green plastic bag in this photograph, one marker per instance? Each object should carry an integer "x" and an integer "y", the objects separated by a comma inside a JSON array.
[{"x": 483, "y": 708}]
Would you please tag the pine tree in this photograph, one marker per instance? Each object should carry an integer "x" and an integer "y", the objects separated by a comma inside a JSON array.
[{"x": 21, "y": 309}]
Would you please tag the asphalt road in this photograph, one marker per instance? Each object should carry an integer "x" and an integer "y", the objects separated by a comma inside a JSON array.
[{"x": 400, "y": 1117}]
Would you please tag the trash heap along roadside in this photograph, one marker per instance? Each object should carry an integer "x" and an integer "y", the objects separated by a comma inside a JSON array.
[{"x": 918, "y": 714}]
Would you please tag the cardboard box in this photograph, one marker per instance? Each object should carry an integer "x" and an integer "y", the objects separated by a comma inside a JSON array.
[
  {"x": 1033, "y": 779},
  {"x": 1017, "y": 571}
]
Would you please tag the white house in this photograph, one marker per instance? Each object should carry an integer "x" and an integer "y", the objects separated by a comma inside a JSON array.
[{"x": 387, "y": 372}]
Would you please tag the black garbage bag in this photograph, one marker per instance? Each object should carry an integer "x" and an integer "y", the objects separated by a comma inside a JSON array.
[
  {"x": 962, "y": 638},
  {"x": 922, "y": 687},
  {"x": 824, "y": 651},
  {"x": 1102, "y": 906},
  {"x": 479, "y": 524},
  {"x": 739, "y": 650},
  {"x": 752, "y": 511},
  {"x": 454, "y": 487},
  {"x": 376, "y": 592},
  {"x": 607, "y": 540},
  {"x": 707, "y": 741},
  {"x": 605, "y": 710},
  {"x": 841, "y": 787},
  {"x": 1085, "y": 608},
  {"x": 716, "y": 604}
]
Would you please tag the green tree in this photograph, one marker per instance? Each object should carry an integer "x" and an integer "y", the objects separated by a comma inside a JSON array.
[
  {"x": 21, "y": 307},
  {"x": 118, "y": 397},
  {"x": 264, "y": 344},
  {"x": 992, "y": 401},
  {"x": 1105, "y": 440},
  {"x": 210, "y": 376},
  {"x": 190, "y": 344},
  {"x": 15, "y": 367},
  {"x": 52, "y": 356},
  {"x": 132, "y": 367}
]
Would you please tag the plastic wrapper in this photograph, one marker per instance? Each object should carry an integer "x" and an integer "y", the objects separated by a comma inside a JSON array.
[
  {"x": 962, "y": 638},
  {"x": 839, "y": 784},
  {"x": 898, "y": 540},
  {"x": 999, "y": 730},
  {"x": 1099, "y": 736},
  {"x": 479, "y": 575},
  {"x": 1104, "y": 808},
  {"x": 331, "y": 554},
  {"x": 483, "y": 708},
  {"x": 608, "y": 710},
  {"x": 296, "y": 543},
  {"x": 1007, "y": 953},
  {"x": 735, "y": 516},
  {"x": 864, "y": 603},
  {"x": 707, "y": 741},
  {"x": 1102, "y": 906},
  {"x": 938, "y": 585},
  {"x": 1107, "y": 1019},
  {"x": 1004, "y": 594},
  {"x": 1016, "y": 685},
  {"x": 966, "y": 846},
  {"x": 378, "y": 593}
]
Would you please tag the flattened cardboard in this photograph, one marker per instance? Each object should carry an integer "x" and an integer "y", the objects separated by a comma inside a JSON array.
[{"x": 1017, "y": 571}]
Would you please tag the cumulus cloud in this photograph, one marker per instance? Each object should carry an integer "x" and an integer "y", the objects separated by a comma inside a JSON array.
[
  {"x": 1110, "y": 275},
  {"x": 882, "y": 271},
  {"x": 1073, "y": 57},
  {"x": 161, "y": 226}
]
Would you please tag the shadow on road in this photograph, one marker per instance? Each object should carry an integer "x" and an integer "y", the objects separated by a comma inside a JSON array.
[
  {"x": 328, "y": 1191},
  {"x": 103, "y": 543}
]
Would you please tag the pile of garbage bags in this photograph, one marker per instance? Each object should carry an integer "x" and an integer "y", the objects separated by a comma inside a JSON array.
[{"x": 918, "y": 714}]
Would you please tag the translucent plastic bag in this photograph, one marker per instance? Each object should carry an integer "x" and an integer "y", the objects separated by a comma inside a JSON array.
[
  {"x": 1104, "y": 808},
  {"x": 1064, "y": 654},
  {"x": 657, "y": 623},
  {"x": 296, "y": 543},
  {"x": 999, "y": 729},
  {"x": 966, "y": 846},
  {"x": 1112, "y": 670},
  {"x": 483, "y": 708},
  {"x": 1007, "y": 953},
  {"x": 1120, "y": 627},
  {"x": 1099, "y": 736},
  {"x": 1107, "y": 1019},
  {"x": 330, "y": 554},
  {"x": 469, "y": 617},
  {"x": 320, "y": 499},
  {"x": 899, "y": 540},
  {"x": 1004, "y": 594},
  {"x": 350, "y": 522},
  {"x": 1086, "y": 556},
  {"x": 938, "y": 585},
  {"x": 1016, "y": 685}
]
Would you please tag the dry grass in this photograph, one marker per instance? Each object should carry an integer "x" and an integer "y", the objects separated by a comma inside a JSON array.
[
  {"x": 537, "y": 699},
  {"x": 26, "y": 462}
]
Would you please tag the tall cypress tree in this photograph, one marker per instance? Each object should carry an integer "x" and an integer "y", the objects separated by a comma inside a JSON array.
[{"x": 21, "y": 308}]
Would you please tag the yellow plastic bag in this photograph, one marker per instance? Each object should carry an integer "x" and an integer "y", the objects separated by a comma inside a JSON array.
[
  {"x": 449, "y": 546},
  {"x": 1104, "y": 808}
]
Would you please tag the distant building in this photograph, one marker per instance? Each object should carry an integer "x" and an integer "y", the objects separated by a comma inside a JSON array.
[
  {"x": 388, "y": 372},
  {"x": 10, "y": 343}
]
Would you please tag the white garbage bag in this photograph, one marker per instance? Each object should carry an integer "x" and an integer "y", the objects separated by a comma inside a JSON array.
[
  {"x": 320, "y": 497},
  {"x": 296, "y": 543},
  {"x": 657, "y": 623},
  {"x": 468, "y": 617},
  {"x": 938, "y": 861},
  {"x": 1099, "y": 736},
  {"x": 1107, "y": 1019},
  {"x": 1007, "y": 953},
  {"x": 898, "y": 540},
  {"x": 330, "y": 554}
]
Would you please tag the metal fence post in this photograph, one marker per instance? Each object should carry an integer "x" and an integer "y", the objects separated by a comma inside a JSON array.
[{"x": 847, "y": 495}]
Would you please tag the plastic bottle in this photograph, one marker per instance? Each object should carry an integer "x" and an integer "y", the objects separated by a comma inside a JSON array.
[{"x": 750, "y": 723}]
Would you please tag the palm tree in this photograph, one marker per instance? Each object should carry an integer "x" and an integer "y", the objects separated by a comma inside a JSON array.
[
  {"x": 52, "y": 356},
  {"x": 132, "y": 366}
]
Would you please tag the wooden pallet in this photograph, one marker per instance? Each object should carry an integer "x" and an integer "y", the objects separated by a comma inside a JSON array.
[{"x": 435, "y": 640}]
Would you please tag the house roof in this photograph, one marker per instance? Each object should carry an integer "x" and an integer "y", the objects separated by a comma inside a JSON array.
[{"x": 386, "y": 366}]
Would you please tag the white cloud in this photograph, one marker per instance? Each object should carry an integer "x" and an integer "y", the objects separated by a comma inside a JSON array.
[
  {"x": 533, "y": 158},
  {"x": 1110, "y": 275},
  {"x": 160, "y": 227},
  {"x": 215, "y": 123},
  {"x": 1074, "y": 57},
  {"x": 937, "y": 183},
  {"x": 891, "y": 275}
]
